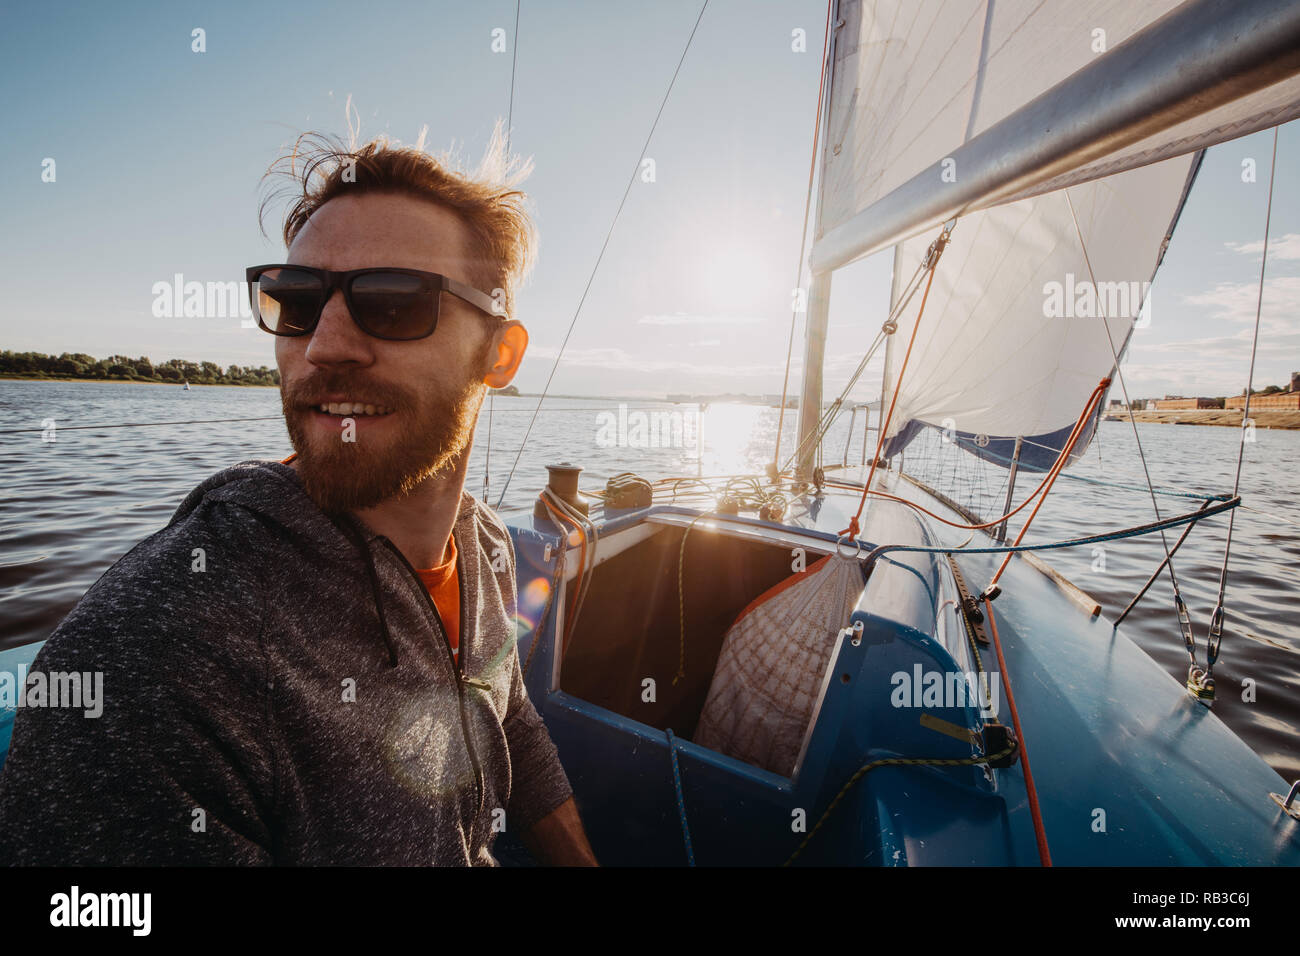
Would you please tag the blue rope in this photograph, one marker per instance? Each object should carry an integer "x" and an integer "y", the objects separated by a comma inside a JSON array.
[
  {"x": 1072, "y": 543},
  {"x": 1160, "y": 491},
  {"x": 681, "y": 802}
]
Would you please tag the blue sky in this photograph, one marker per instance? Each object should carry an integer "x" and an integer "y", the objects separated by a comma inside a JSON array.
[{"x": 160, "y": 152}]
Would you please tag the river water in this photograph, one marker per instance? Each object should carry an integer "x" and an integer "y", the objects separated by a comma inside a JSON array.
[{"x": 72, "y": 506}]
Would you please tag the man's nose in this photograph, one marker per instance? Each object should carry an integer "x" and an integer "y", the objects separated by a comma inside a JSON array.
[{"x": 337, "y": 339}]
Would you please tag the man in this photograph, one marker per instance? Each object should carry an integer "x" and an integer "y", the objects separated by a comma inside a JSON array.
[{"x": 314, "y": 662}]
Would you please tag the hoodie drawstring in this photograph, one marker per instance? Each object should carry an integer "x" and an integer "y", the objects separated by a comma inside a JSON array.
[{"x": 345, "y": 524}]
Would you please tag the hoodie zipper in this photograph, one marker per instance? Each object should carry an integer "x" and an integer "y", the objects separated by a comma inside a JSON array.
[{"x": 451, "y": 659}]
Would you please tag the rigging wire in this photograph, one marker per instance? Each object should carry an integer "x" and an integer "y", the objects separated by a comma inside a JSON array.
[
  {"x": 636, "y": 167},
  {"x": 1042, "y": 488},
  {"x": 1215, "y": 634},
  {"x": 803, "y": 235},
  {"x": 888, "y": 328},
  {"x": 931, "y": 264},
  {"x": 1184, "y": 621},
  {"x": 510, "y": 119}
]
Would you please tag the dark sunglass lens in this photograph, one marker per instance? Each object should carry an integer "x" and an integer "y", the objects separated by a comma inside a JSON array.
[
  {"x": 288, "y": 300},
  {"x": 392, "y": 305}
]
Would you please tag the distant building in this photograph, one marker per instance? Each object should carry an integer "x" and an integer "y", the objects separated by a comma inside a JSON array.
[
  {"x": 1170, "y": 404},
  {"x": 1284, "y": 400},
  {"x": 1289, "y": 399}
]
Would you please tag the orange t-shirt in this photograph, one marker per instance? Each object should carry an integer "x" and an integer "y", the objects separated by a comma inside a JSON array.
[{"x": 444, "y": 587}]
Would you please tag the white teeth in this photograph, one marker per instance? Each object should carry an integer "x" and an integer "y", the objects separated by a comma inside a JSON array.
[{"x": 353, "y": 408}]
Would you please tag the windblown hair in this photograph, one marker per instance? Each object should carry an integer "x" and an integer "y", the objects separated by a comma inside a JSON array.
[{"x": 503, "y": 239}]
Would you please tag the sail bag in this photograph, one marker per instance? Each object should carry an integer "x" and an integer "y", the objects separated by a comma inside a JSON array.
[{"x": 772, "y": 663}]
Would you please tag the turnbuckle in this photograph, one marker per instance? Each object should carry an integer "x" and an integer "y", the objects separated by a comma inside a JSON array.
[
  {"x": 1200, "y": 683},
  {"x": 1289, "y": 804},
  {"x": 1214, "y": 637},
  {"x": 1185, "y": 622}
]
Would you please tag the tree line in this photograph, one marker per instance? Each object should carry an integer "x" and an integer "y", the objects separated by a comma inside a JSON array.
[{"x": 78, "y": 365}]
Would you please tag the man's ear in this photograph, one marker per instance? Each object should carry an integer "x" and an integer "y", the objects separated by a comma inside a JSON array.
[{"x": 507, "y": 350}]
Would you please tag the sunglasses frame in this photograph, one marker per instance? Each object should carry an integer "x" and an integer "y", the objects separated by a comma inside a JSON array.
[{"x": 343, "y": 280}]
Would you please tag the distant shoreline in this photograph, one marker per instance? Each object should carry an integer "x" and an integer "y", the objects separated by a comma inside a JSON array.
[
  {"x": 1227, "y": 417},
  {"x": 19, "y": 377}
]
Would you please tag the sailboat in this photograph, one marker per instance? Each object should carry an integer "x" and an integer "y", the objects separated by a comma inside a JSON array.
[
  {"x": 789, "y": 668},
  {"x": 829, "y": 664}
]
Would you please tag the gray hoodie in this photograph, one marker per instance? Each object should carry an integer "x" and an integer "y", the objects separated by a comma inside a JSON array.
[{"x": 278, "y": 688}]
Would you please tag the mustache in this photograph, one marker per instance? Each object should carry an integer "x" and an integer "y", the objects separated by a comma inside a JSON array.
[{"x": 312, "y": 389}]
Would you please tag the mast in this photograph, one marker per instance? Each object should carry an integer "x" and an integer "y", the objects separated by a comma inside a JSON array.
[
  {"x": 1200, "y": 56},
  {"x": 819, "y": 292}
]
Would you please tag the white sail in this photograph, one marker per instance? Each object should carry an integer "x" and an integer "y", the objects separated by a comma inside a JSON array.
[
  {"x": 913, "y": 80},
  {"x": 1013, "y": 339},
  {"x": 1014, "y": 335}
]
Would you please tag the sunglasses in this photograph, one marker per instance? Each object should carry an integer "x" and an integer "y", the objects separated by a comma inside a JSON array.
[{"x": 394, "y": 304}]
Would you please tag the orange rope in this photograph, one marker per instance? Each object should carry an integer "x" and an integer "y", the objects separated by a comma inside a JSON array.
[
  {"x": 1040, "y": 834},
  {"x": 853, "y": 527},
  {"x": 1052, "y": 475},
  {"x": 1055, "y": 469}
]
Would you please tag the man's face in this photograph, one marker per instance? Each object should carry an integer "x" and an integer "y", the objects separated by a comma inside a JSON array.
[{"x": 426, "y": 392}]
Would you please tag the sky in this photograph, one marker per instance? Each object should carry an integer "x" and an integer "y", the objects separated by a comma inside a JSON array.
[{"x": 160, "y": 151}]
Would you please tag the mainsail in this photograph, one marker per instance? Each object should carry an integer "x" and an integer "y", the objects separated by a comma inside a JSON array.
[{"x": 1014, "y": 336}]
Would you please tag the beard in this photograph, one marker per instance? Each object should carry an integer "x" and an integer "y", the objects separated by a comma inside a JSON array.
[{"x": 342, "y": 476}]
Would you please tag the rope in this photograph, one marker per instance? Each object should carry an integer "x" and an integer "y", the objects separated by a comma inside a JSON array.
[
  {"x": 803, "y": 236},
  {"x": 561, "y": 511},
  {"x": 893, "y": 762},
  {"x": 556, "y": 583},
  {"x": 1215, "y": 634},
  {"x": 681, "y": 800},
  {"x": 1044, "y": 855},
  {"x": 604, "y": 246},
  {"x": 1041, "y": 489},
  {"x": 1046, "y": 486},
  {"x": 1070, "y": 543},
  {"x": 931, "y": 262}
]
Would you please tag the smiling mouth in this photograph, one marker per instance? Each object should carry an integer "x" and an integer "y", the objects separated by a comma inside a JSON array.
[{"x": 351, "y": 409}]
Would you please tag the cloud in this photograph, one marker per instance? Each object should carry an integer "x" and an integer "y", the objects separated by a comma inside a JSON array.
[
  {"x": 1287, "y": 247},
  {"x": 1236, "y": 302}
]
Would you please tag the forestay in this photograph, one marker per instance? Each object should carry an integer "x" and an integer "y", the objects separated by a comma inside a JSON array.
[{"x": 1013, "y": 339}]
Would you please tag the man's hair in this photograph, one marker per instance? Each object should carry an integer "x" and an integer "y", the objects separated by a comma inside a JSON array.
[{"x": 503, "y": 240}]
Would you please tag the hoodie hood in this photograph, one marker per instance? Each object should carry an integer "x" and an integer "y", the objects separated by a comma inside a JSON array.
[{"x": 272, "y": 490}]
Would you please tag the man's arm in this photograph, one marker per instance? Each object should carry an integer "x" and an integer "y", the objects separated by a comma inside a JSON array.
[
  {"x": 559, "y": 840},
  {"x": 176, "y": 767}
]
